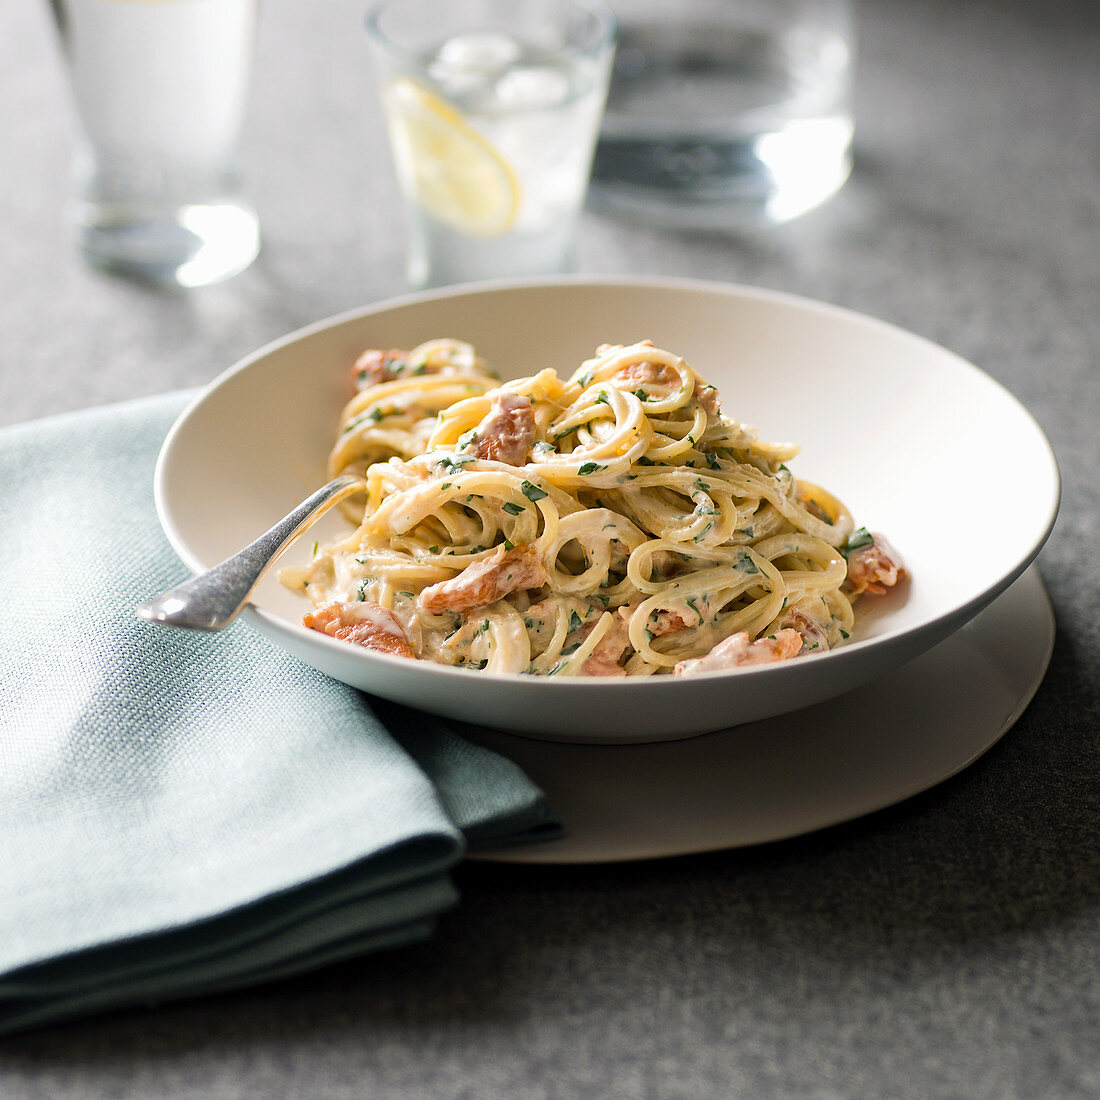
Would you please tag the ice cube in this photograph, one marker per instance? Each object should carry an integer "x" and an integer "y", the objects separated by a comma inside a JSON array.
[
  {"x": 485, "y": 50},
  {"x": 532, "y": 87}
]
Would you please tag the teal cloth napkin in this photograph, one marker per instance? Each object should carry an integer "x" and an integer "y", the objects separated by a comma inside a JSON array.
[{"x": 184, "y": 813}]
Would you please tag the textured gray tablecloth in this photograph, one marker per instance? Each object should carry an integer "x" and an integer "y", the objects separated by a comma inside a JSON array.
[{"x": 947, "y": 947}]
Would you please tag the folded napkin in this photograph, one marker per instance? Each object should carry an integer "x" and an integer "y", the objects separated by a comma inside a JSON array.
[{"x": 184, "y": 813}]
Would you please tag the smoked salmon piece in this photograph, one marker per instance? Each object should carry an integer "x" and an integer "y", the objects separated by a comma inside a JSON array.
[{"x": 362, "y": 623}]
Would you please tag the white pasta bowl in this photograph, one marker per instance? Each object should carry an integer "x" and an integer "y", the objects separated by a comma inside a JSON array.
[{"x": 919, "y": 444}]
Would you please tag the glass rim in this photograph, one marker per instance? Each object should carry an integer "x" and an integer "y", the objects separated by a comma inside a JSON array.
[{"x": 599, "y": 9}]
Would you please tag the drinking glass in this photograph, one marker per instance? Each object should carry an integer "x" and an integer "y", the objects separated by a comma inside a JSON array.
[
  {"x": 492, "y": 108},
  {"x": 727, "y": 113},
  {"x": 159, "y": 88}
]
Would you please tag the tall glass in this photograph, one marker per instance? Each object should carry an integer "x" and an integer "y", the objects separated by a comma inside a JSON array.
[
  {"x": 727, "y": 113},
  {"x": 492, "y": 108},
  {"x": 159, "y": 88}
]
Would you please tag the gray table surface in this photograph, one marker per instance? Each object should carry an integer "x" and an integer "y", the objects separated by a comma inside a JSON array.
[{"x": 946, "y": 947}]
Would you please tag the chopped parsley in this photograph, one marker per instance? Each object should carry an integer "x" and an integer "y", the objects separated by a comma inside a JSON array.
[
  {"x": 590, "y": 468},
  {"x": 532, "y": 492},
  {"x": 745, "y": 563},
  {"x": 454, "y": 465},
  {"x": 512, "y": 508},
  {"x": 858, "y": 539}
]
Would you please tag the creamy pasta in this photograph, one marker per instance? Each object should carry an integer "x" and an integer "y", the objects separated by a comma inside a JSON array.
[{"x": 612, "y": 523}]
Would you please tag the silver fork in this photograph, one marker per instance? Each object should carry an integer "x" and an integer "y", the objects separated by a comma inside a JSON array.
[{"x": 212, "y": 600}]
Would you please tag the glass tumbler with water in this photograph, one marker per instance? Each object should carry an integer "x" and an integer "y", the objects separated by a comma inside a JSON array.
[
  {"x": 727, "y": 113},
  {"x": 492, "y": 108},
  {"x": 159, "y": 88}
]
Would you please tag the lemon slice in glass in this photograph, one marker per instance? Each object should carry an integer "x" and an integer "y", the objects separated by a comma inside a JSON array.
[{"x": 454, "y": 172}]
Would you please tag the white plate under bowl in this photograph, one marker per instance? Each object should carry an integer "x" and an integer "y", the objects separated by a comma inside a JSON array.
[
  {"x": 771, "y": 780},
  {"x": 920, "y": 445}
]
